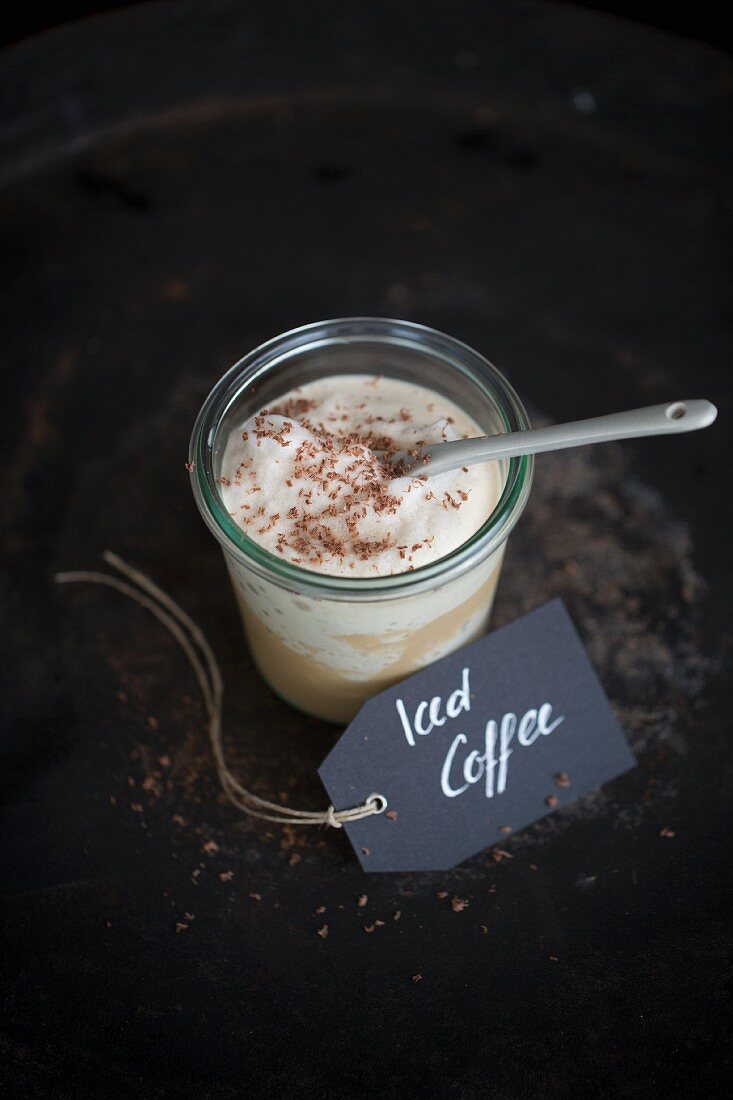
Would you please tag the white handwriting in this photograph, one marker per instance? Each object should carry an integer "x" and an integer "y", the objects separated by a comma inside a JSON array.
[
  {"x": 492, "y": 765},
  {"x": 458, "y": 701}
]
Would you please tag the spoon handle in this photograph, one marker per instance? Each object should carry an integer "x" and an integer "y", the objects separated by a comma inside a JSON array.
[{"x": 673, "y": 417}]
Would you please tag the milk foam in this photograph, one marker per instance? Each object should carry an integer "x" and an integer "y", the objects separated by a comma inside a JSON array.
[{"x": 309, "y": 479}]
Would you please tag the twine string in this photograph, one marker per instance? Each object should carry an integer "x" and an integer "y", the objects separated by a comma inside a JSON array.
[{"x": 140, "y": 588}]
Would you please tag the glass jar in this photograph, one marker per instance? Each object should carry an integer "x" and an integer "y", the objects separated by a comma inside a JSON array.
[{"x": 326, "y": 644}]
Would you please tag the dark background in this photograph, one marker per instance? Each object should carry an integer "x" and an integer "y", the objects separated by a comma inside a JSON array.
[
  {"x": 708, "y": 22},
  {"x": 179, "y": 183}
]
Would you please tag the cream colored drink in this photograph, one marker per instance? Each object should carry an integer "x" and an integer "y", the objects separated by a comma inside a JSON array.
[{"x": 309, "y": 478}]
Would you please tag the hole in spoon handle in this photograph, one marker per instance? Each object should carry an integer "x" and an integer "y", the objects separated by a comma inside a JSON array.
[{"x": 688, "y": 416}]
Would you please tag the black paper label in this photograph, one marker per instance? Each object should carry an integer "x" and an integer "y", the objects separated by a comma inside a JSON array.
[{"x": 477, "y": 746}]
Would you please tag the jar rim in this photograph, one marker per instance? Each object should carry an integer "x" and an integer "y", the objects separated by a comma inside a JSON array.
[{"x": 349, "y": 330}]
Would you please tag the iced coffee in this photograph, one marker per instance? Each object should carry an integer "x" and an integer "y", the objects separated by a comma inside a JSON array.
[{"x": 349, "y": 574}]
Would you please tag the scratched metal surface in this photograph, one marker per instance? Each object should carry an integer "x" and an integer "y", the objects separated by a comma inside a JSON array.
[{"x": 182, "y": 181}]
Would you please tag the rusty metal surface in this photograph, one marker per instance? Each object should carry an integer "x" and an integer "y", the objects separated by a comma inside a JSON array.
[{"x": 181, "y": 182}]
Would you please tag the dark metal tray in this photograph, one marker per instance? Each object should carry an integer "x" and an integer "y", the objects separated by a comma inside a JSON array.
[{"x": 182, "y": 181}]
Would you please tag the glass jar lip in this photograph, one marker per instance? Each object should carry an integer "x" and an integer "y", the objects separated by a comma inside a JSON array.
[{"x": 245, "y": 372}]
